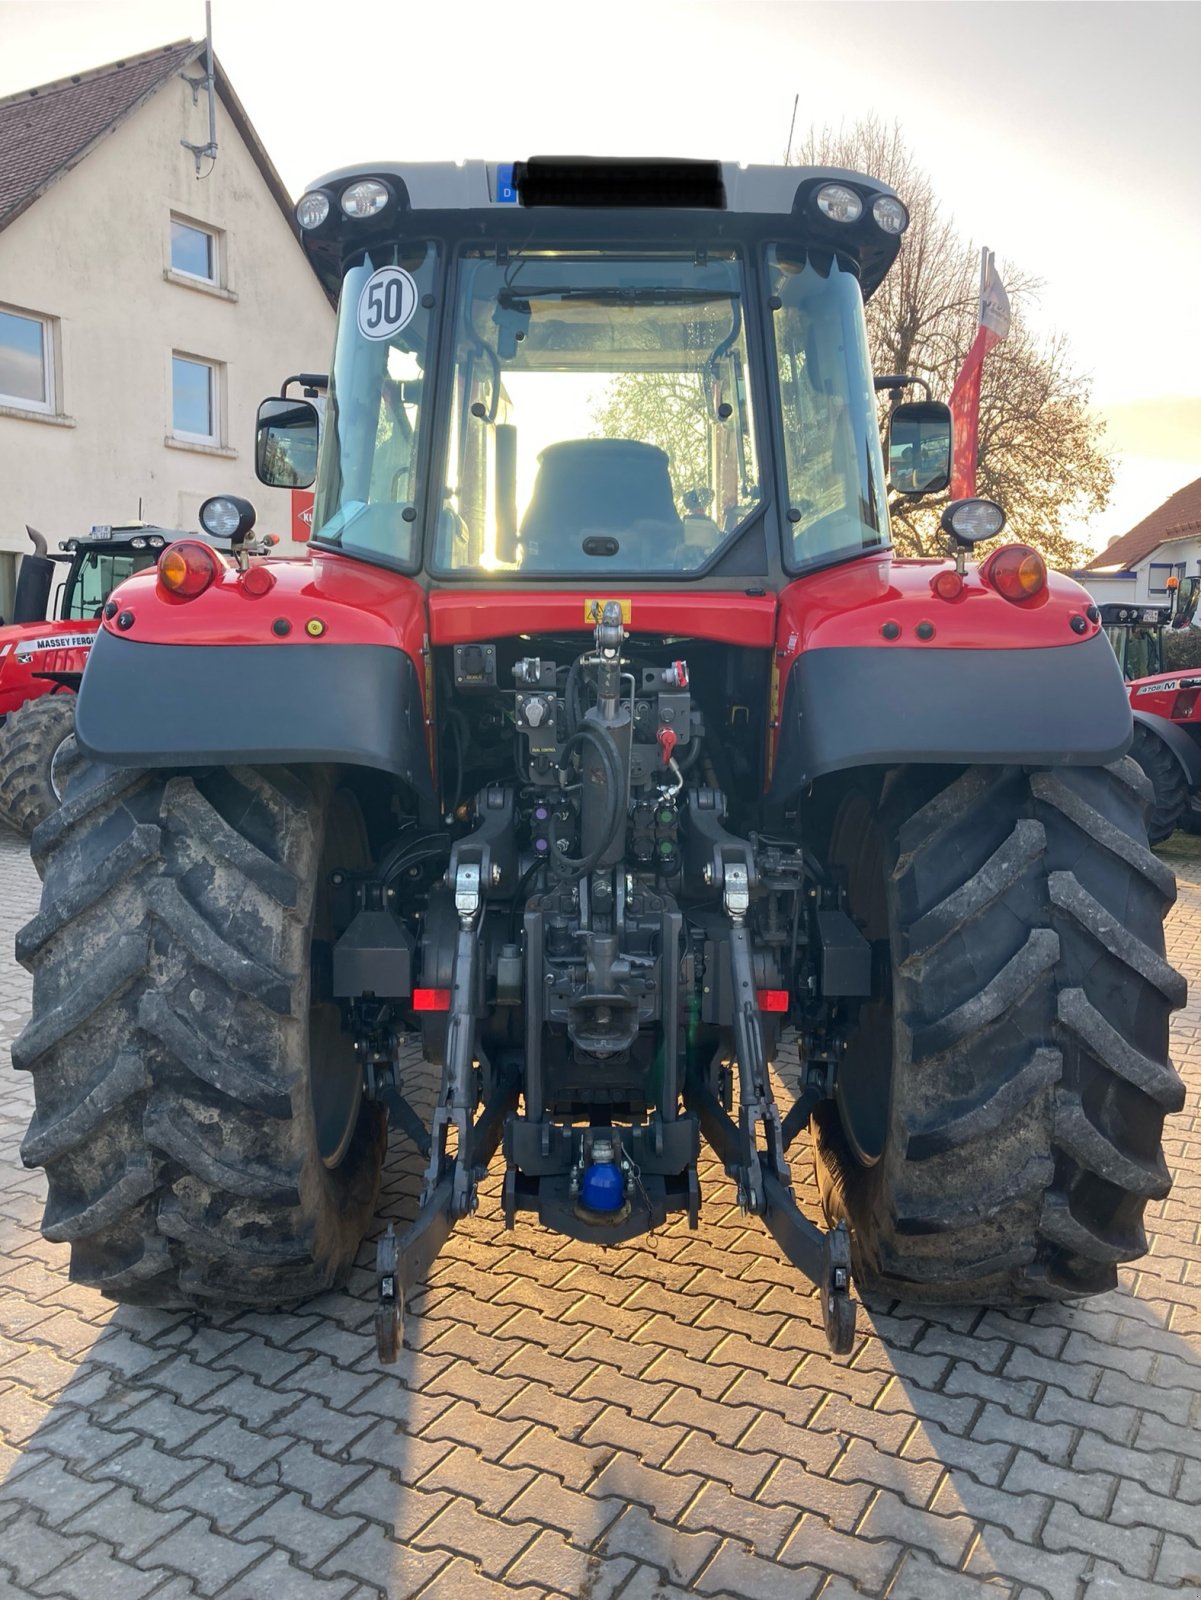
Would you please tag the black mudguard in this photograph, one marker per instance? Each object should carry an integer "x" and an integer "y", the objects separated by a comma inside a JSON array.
[
  {"x": 161, "y": 705},
  {"x": 862, "y": 706},
  {"x": 1178, "y": 741}
]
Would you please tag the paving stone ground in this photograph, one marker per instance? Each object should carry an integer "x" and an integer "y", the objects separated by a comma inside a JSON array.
[{"x": 654, "y": 1421}]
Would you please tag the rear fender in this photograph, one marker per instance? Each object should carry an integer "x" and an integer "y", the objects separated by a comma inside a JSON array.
[
  {"x": 876, "y": 669},
  {"x": 322, "y": 667},
  {"x": 1178, "y": 742}
]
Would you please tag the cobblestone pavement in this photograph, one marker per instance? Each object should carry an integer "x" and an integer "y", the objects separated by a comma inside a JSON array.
[{"x": 648, "y": 1422}]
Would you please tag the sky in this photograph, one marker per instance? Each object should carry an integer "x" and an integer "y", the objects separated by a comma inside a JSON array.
[{"x": 1066, "y": 136}]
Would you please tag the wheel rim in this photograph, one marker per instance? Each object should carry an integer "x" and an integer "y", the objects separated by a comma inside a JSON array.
[
  {"x": 335, "y": 1074},
  {"x": 863, "y": 1092},
  {"x": 56, "y": 771}
]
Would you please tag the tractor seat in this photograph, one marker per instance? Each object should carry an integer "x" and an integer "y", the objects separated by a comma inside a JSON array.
[{"x": 618, "y": 488}]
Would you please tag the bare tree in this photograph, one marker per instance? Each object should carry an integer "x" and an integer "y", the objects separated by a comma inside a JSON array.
[
  {"x": 1041, "y": 453},
  {"x": 663, "y": 408}
]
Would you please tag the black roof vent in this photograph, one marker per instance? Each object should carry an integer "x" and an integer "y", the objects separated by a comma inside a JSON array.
[{"x": 620, "y": 182}]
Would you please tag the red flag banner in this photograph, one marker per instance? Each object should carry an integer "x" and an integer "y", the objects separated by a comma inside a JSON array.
[{"x": 993, "y": 327}]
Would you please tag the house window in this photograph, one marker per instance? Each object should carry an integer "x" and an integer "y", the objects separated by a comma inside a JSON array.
[
  {"x": 26, "y": 361},
  {"x": 193, "y": 251},
  {"x": 194, "y": 400},
  {"x": 1158, "y": 574}
]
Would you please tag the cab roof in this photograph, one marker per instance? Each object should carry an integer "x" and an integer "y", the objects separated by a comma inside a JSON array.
[
  {"x": 596, "y": 181},
  {"x": 693, "y": 195}
]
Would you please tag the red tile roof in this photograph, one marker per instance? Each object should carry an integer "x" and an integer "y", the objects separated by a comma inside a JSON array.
[
  {"x": 46, "y": 131},
  {"x": 1178, "y": 518}
]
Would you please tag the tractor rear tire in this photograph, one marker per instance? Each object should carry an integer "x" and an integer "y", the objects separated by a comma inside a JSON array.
[
  {"x": 1000, "y": 1137},
  {"x": 1168, "y": 784},
  {"x": 33, "y": 744},
  {"x": 199, "y": 1113}
]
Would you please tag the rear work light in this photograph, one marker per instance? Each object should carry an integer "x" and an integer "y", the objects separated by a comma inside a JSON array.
[
  {"x": 840, "y": 204},
  {"x": 187, "y": 568},
  {"x": 1015, "y": 571}
]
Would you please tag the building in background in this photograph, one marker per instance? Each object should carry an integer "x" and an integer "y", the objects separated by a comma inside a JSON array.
[
  {"x": 1137, "y": 567},
  {"x": 144, "y": 311}
]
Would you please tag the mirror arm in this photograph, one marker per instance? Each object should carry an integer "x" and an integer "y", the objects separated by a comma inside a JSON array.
[
  {"x": 895, "y": 382},
  {"x": 313, "y": 384}
]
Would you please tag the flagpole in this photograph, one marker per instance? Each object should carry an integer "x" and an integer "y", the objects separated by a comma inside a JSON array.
[{"x": 984, "y": 255}]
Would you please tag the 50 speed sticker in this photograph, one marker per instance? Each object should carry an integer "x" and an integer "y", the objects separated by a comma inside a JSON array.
[{"x": 387, "y": 303}]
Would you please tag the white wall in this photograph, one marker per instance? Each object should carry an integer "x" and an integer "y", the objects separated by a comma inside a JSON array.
[
  {"x": 92, "y": 252},
  {"x": 1137, "y": 591}
]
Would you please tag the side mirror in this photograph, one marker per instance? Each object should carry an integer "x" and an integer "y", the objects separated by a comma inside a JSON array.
[
  {"x": 285, "y": 449},
  {"x": 919, "y": 447}
]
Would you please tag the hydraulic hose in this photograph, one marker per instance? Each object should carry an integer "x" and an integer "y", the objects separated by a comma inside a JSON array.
[
  {"x": 573, "y": 696},
  {"x": 566, "y": 866},
  {"x": 519, "y": 894},
  {"x": 690, "y": 755}
]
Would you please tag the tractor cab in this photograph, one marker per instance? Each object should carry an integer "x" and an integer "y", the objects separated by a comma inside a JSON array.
[
  {"x": 99, "y": 561},
  {"x": 571, "y": 370},
  {"x": 95, "y": 562},
  {"x": 1137, "y": 632}
]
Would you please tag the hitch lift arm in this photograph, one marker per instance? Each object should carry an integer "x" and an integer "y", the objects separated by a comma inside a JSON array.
[
  {"x": 761, "y": 1171},
  {"x": 449, "y": 1188}
]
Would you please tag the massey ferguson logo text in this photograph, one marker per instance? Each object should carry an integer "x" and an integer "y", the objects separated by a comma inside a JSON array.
[{"x": 61, "y": 641}]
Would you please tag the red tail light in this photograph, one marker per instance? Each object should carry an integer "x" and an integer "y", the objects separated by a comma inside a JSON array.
[
  {"x": 187, "y": 568},
  {"x": 772, "y": 999},
  {"x": 256, "y": 581},
  {"x": 431, "y": 999},
  {"x": 947, "y": 585},
  {"x": 1015, "y": 571}
]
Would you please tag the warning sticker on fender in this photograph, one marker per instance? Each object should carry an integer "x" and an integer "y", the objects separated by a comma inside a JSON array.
[
  {"x": 594, "y": 609},
  {"x": 59, "y": 641}
]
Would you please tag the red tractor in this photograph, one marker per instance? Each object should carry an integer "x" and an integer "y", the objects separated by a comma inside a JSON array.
[
  {"x": 42, "y": 661},
  {"x": 1167, "y": 717},
  {"x": 600, "y": 738}
]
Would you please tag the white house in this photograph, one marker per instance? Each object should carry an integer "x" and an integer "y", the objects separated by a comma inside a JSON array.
[
  {"x": 144, "y": 310},
  {"x": 1135, "y": 568}
]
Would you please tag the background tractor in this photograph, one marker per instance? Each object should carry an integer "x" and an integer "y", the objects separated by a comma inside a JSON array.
[
  {"x": 600, "y": 738},
  {"x": 43, "y": 651},
  {"x": 1167, "y": 720}
]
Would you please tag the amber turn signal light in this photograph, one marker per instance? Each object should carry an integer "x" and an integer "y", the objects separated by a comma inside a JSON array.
[
  {"x": 1015, "y": 571},
  {"x": 187, "y": 568},
  {"x": 947, "y": 585}
]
